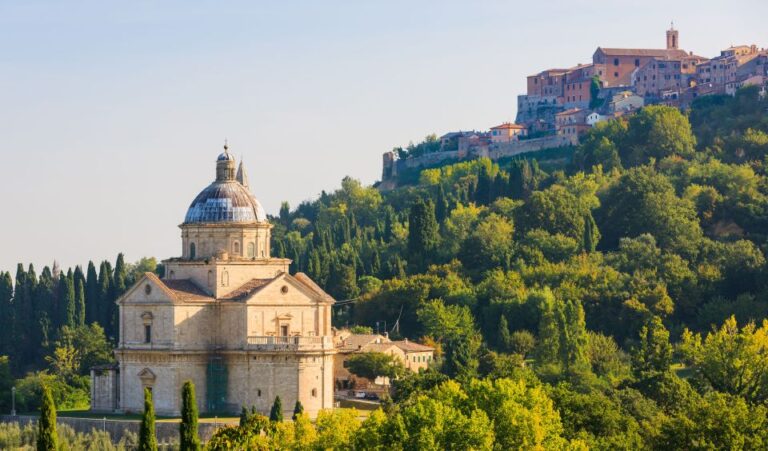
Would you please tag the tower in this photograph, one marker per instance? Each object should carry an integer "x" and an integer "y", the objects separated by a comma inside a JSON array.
[{"x": 672, "y": 38}]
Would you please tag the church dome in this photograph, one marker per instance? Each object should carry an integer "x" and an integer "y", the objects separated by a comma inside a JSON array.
[
  {"x": 225, "y": 202},
  {"x": 227, "y": 199}
]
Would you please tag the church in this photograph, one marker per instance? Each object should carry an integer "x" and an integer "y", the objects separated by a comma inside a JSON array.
[{"x": 226, "y": 315}]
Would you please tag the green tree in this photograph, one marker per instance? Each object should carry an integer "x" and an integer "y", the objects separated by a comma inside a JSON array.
[
  {"x": 47, "y": 439},
  {"x": 731, "y": 359},
  {"x": 656, "y": 132},
  {"x": 422, "y": 232},
  {"x": 92, "y": 292},
  {"x": 66, "y": 301},
  {"x": 594, "y": 93},
  {"x": 80, "y": 304},
  {"x": 188, "y": 438},
  {"x": 654, "y": 354},
  {"x": 490, "y": 245},
  {"x": 644, "y": 201},
  {"x": 6, "y": 314},
  {"x": 574, "y": 342},
  {"x": 504, "y": 340},
  {"x": 591, "y": 234},
  {"x": 147, "y": 437},
  {"x": 298, "y": 409},
  {"x": 276, "y": 413},
  {"x": 371, "y": 365}
]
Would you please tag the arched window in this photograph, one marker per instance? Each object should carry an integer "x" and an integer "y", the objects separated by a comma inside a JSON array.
[
  {"x": 236, "y": 248},
  {"x": 191, "y": 251},
  {"x": 210, "y": 278},
  {"x": 225, "y": 279},
  {"x": 251, "y": 250}
]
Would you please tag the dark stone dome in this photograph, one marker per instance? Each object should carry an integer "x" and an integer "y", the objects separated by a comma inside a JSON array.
[{"x": 225, "y": 201}]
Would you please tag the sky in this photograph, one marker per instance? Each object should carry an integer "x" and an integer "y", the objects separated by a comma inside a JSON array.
[{"x": 112, "y": 112}]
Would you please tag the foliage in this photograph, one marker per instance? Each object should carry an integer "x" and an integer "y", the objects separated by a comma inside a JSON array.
[
  {"x": 46, "y": 433},
  {"x": 147, "y": 438},
  {"x": 188, "y": 438},
  {"x": 371, "y": 365},
  {"x": 276, "y": 412}
]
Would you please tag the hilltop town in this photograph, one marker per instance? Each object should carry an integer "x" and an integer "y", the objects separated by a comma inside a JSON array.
[{"x": 560, "y": 105}]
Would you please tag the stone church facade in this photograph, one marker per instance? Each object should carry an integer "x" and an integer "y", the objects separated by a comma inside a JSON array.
[{"x": 226, "y": 315}]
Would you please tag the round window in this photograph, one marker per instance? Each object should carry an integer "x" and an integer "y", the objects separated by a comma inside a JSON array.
[{"x": 284, "y": 289}]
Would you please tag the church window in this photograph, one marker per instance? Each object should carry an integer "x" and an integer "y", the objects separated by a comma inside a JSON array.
[
  {"x": 251, "y": 250},
  {"x": 236, "y": 248},
  {"x": 284, "y": 330},
  {"x": 284, "y": 289},
  {"x": 147, "y": 289},
  {"x": 225, "y": 279},
  {"x": 314, "y": 393},
  {"x": 210, "y": 278},
  {"x": 191, "y": 251},
  {"x": 147, "y": 333}
]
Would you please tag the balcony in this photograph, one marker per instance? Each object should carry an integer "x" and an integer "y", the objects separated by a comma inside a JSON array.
[{"x": 277, "y": 344}]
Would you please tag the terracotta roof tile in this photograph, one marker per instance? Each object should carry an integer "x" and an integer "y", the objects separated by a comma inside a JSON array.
[
  {"x": 409, "y": 346},
  {"x": 186, "y": 290},
  {"x": 246, "y": 289},
  {"x": 662, "y": 53},
  {"x": 309, "y": 283}
]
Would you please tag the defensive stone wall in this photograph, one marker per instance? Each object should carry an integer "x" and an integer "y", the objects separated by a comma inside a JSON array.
[{"x": 392, "y": 167}]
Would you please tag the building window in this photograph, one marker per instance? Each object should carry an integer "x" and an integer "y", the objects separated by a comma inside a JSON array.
[
  {"x": 225, "y": 279},
  {"x": 284, "y": 330},
  {"x": 258, "y": 393},
  {"x": 191, "y": 251},
  {"x": 314, "y": 393},
  {"x": 236, "y": 248},
  {"x": 615, "y": 61},
  {"x": 637, "y": 62},
  {"x": 251, "y": 250},
  {"x": 147, "y": 333},
  {"x": 210, "y": 278},
  {"x": 616, "y": 75}
]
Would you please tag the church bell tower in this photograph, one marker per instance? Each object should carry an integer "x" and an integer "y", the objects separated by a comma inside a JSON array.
[{"x": 672, "y": 38}]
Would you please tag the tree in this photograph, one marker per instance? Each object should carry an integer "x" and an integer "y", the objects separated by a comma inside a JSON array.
[
  {"x": 654, "y": 355},
  {"x": 298, "y": 409},
  {"x": 80, "y": 304},
  {"x": 285, "y": 213},
  {"x": 731, "y": 359},
  {"x": 92, "y": 291},
  {"x": 66, "y": 301},
  {"x": 490, "y": 245},
  {"x": 591, "y": 234},
  {"x": 6, "y": 314},
  {"x": 574, "y": 340},
  {"x": 522, "y": 342},
  {"x": 594, "y": 93},
  {"x": 188, "y": 438},
  {"x": 422, "y": 232},
  {"x": 147, "y": 438},
  {"x": 105, "y": 290},
  {"x": 371, "y": 365},
  {"x": 644, "y": 201},
  {"x": 46, "y": 427},
  {"x": 656, "y": 132},
  {"x": 504, "y": 340},
  {"x": 276, "y": 413}
]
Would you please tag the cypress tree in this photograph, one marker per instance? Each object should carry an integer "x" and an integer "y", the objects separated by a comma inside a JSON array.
[
  {"x": 575, "y": 340},
  {"x": 117, "y": 289},
  {"x": 21, "y": 304},
  {"x": 105, "y": 282},
  {"x": 91, "y": 294},
  {"x": 505, "y": 338},
  {"x": 484, "y": 185},
  {"x": 298, "y": 409},
  {"x": 46, "y": 426},
  {"x": 243, "y": 417},
  {"x": 65, "y": 300},
  {"x": 189, "y": 440},
  {"x": 80, "y": 304},
  {"x": 422, "y": 232},
  {"x": 147, "y": 438},
  {"x": 79, "y": 277},
  {"x": 441, "y": 204},
  {"x": 6, "y": 313},
  {"x": 591, "y": 234},
  {"x": 285, "y": 213},
  {"x": 276, "y": 414}
]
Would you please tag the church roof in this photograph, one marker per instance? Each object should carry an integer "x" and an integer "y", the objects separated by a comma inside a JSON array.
[
  {"x": 658, "y": 53},
  {"x": 309, "y": 283},
  {"x": 186, "y": 290},
  {"x": 227, "y": 201},
  {"x": 246, "y": 289}
]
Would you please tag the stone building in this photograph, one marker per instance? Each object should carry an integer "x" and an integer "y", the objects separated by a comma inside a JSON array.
[
  {"x": 414, "y": 356},
  {"x": 226, "y": 315}
]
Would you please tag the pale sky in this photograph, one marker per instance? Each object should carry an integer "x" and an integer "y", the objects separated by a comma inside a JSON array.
[{"x": 112, "y": 113}]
